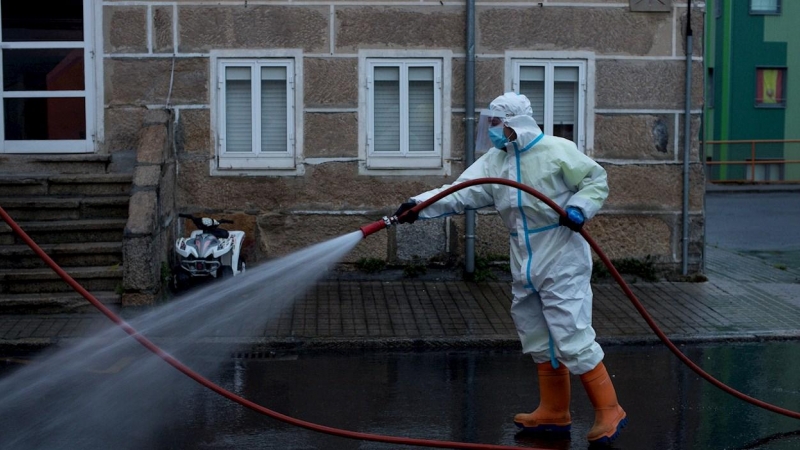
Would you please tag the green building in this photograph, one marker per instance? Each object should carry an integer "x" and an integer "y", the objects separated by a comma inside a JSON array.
[{"x": 752, "y": 91}]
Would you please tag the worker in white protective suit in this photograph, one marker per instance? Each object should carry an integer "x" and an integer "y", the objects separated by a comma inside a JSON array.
[{"x": 551, "y": 264}]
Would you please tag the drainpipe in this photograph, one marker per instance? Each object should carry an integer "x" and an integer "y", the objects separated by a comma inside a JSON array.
[
  {"x": 469, "y": 138},
  {"x": 687, "y": 140}
]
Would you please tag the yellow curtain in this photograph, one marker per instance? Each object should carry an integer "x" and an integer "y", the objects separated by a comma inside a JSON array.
[{"x": 770, "y": 85}]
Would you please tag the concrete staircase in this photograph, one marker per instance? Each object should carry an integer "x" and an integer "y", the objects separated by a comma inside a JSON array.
[{"x": 76, "y": 211}]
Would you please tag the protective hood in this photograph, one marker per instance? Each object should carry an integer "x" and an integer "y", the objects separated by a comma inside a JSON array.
[{"x": 516, "y": 108}]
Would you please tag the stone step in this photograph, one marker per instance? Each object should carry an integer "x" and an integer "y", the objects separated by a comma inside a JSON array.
[
  {"x": 21, "y": 281},
  {"x": 55, "y": 163},
  {"x": 73, "y": 208},
  {"x": 66, "y": 231},
  {"x": 57, "y": 303},
  {"x": 70, "y": 255},
  {"x": 102, "y": 184},
  {"x": 22, "y": 185},
  {"x": 95, "y": 185}
]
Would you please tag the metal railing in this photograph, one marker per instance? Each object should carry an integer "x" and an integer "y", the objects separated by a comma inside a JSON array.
[{"x": 759, "y": 168}]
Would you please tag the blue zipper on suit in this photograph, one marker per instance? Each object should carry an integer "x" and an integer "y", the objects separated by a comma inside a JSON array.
[{"x": 517, "y": 152}]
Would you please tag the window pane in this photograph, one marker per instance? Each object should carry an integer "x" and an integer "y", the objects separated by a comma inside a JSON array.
[
  {"x": 387, "y": 109},
  {"x": 770, "y": 87},
  {"x": 710, "y": 88},
  {"x": 273, "y": 109},
  {"x": 45, "y": 118},
  {"x": 565, "y": 102},
  {"x": 420, "y": 109},
  {"x": 531, "y": 73},
  {"x": 43, "y": 69},
  {"x": 764, "y": 5},
  {"x": 565, "y": 74},
  {"x": 534, "y": 90},
  {"x": 238, "y": 110},
  {"x": 532, "y": 86},
  {"x": 25, "y": 21}
]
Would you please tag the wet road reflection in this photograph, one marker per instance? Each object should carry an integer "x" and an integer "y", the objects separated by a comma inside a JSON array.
[{"x": 472, "y": 396}]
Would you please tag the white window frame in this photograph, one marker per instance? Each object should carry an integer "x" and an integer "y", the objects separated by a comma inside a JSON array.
[
  {"x": 91, "y": 11},
  {"x": 585, "y": 62},
  {"x": 436, "y": 162},
  {"x": 257, "y": 162}
]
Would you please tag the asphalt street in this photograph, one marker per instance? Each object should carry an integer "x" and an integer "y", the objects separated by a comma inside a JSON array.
[{"x": 763, "y": 224}]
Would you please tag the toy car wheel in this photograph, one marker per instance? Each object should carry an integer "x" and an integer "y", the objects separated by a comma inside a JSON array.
[
  {"x": 180, "y": 281},
  {"x": 226, "y": 272}
]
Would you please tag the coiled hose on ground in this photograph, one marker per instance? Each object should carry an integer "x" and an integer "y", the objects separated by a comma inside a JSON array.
[{"x": 369, "y": 229}]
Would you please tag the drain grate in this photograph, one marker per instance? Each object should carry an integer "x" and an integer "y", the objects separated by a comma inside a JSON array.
[{"x": 253, "y": 355}]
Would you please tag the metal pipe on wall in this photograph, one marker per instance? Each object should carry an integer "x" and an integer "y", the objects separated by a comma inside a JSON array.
[
  {"x": 469, "y": 138},
  {"x": 687, "y": 141}
]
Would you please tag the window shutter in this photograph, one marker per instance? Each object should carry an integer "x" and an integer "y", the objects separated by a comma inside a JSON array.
[
  {"x": 238, "y": 110},
  {"x": 273, "y": 109},
  {"x": 531, "y": 85},
  {"x": 387, "y": 109},
  {"x": 420, "y": 109},
  {"x": 565, "y": 96}
]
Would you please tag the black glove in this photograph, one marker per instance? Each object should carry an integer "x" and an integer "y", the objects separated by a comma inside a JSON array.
[
  {"x": 573, "y": 220},
  {"x": 404, "y": 213}
]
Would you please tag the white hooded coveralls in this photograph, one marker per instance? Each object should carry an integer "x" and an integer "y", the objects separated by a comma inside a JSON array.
[{"x": 551, "y": 265}]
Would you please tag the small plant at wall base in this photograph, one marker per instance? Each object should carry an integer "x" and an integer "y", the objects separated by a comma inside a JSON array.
[
  {"x": 640, "y": 269},
  {"x": 166, "y": 273},
  {"x": 485, "y": 267},
  {"x": 414, "y": 269},
  {"x": 370, "y": 265}
]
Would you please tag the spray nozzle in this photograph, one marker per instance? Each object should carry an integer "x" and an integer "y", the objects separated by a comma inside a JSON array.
[{"x": 376, "y": 226}]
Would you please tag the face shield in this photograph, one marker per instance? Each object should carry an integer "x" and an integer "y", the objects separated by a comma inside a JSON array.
[{"x": 488, "y": 119}]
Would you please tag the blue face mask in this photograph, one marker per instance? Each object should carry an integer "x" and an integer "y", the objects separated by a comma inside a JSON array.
[{"x": 498, "y": 137}]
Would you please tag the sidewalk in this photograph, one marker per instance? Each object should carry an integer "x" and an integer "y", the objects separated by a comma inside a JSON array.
[{"x": 744, "y": 299}]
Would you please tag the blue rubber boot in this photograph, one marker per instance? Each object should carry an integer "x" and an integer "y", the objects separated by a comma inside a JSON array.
[
  {"x": 609, "y": 417},
  {"x": 552, "y": 415}
]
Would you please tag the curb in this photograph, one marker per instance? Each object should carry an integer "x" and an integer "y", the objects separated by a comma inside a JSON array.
[
  {"x": 751, "y": 188},
  {"x": 321, "y": 345}
]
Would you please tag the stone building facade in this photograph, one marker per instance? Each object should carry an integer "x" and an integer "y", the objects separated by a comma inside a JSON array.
[{"x": 331, "y": 61}]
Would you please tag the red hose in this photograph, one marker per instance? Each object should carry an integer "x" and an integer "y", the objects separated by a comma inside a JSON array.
[
  {"x": 636, "y": 303},
  {"x": 375, "y": 437},
  {"x": 220, "y": 390}
]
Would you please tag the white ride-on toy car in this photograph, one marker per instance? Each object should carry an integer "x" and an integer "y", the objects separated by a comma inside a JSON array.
[{"x": 208, "y": 253}]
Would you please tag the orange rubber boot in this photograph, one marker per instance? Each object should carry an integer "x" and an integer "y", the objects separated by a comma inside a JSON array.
[
  {"x": 552, "y": 415},
  {"x": 609, "y": 417}
]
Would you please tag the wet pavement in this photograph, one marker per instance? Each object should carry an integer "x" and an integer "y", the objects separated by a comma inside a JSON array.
[{"x": 468, "y": 396}]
